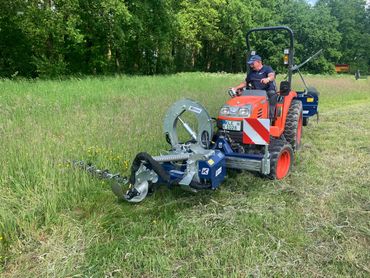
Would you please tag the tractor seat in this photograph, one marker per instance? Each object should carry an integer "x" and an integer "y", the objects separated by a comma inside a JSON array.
[{"x": 284, "y": 88}]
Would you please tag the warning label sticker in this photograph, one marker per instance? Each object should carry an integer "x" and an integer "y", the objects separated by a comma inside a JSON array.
[
  {"x": 195, "y": 109},
  {"x": 219, "y": 170},
  {"x": 205, "y": 171}
]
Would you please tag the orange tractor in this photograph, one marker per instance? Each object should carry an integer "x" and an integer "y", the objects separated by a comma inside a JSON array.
[{"x": 247, "y": 136}]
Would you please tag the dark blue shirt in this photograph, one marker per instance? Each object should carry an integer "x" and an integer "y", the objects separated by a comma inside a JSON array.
[{"x": 255, "y": 77}]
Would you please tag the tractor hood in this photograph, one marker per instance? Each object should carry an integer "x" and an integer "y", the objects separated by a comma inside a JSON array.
[
  {"x": 241, "y": 107},
  {"x": 246, "y": 100}
]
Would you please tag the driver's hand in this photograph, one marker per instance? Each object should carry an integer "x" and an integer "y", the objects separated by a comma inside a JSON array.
[
  {"x": 265, "y": 80},
  {"x": 232, "y": 92},
  {"x": 238, "y": 91}
]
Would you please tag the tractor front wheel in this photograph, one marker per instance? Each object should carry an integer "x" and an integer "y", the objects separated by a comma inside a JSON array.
[
  {"x": 281, "y": 159},
  {"x": 293, "y": 124}
]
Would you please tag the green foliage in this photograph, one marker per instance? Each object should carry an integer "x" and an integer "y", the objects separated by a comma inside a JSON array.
[
  {"x": 62, "y": 37},
  {"x": 15, "y": 44},
  {"x": 315, "y": 29},
  {"x": 354, "y": 25}
]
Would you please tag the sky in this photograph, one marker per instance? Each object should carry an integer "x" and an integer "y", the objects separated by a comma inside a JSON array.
[{"x": 312, "y": 2}]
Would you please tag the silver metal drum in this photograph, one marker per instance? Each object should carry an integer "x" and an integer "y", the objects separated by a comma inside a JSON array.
[{"x": 205, "y": 126}]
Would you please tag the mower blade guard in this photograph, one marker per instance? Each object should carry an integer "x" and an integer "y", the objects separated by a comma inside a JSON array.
[{"x": 137, "y": 193}]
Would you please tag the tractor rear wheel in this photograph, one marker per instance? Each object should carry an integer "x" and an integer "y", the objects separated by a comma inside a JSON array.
[
  {"x": 281, "y": 159},
  {"x": 293, "y": 124}
]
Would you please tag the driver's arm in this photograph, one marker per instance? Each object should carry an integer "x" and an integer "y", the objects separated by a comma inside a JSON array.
[
  {"x": 270, "y": 77},
  {"x": 240, "y": 86}
]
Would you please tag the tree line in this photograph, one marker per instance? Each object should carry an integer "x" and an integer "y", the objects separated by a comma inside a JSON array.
[{"x": 46, "y": 38}]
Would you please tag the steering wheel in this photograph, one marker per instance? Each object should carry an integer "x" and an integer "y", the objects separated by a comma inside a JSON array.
[{"x": 250, "y": 85}]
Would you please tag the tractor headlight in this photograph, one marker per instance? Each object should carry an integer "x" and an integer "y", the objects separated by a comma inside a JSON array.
[
  {"x": 236, "y": 111},
  {"x": 244, "y": 112},
  {"x": 225, "y": 111}
]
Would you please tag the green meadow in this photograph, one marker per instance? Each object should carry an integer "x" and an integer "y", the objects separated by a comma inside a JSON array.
[{"x": 56, "y": 221}]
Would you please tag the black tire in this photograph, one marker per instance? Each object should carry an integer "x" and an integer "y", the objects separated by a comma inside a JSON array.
[
  {"x": 293, "y": 124},
  {"x": 305, "y": 121},
  {"x": 281, "y": 159}
]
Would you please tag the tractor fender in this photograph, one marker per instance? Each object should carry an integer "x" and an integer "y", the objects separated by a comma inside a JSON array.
[{"x": 282, "y": 111}]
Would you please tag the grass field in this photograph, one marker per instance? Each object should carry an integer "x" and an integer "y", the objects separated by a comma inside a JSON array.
[{"x": 58, "y": 222}]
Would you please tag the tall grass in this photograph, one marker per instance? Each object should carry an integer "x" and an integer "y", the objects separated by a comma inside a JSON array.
[{"x": 55, "y": 221}]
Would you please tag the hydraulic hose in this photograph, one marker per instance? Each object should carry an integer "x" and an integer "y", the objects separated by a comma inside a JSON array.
[{"x": 154, "y": 165}]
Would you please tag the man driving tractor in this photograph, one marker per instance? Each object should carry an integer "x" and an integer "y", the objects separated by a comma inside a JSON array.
[{"x": 261, "y": 77}]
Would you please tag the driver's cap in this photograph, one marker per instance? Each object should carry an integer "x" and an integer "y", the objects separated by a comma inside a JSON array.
[{"x": 254, "y": 58}]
